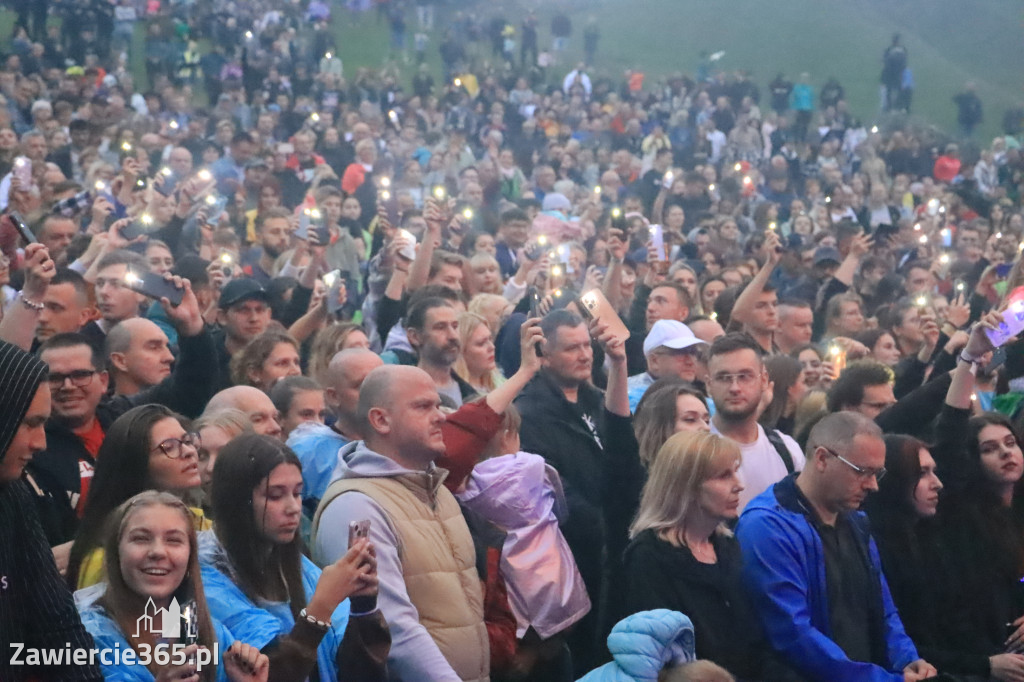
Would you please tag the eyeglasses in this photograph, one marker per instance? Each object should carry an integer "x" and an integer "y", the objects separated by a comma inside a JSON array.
[
  {"x": 80, "y": 378},
  {"x": 174, "y": 447},
  {"x": 744, "y": 379},
  {"x": 863, "y": 472}
]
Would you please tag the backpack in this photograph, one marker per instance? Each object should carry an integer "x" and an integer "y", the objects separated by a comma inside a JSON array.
[{"x": 775, "y": 438}]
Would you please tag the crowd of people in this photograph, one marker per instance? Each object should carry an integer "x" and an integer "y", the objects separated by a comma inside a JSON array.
[{"x": 526, "y": 373}]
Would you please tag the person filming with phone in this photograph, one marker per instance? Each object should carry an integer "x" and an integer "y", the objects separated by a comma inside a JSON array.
[{"x": 430, "y": 592}]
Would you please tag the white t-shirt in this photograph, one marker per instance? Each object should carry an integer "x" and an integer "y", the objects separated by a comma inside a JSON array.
[{"x": 762, "y": 466}]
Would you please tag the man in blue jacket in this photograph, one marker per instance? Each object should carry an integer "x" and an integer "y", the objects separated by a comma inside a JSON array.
[{"x": 813, "y": 570}]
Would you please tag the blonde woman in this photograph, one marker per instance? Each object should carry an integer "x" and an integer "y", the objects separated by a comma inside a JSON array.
[
  {"x": 683, "y": 557},
  {"x": 476, "y": 363},
  {"x": 154, "y": 530}
]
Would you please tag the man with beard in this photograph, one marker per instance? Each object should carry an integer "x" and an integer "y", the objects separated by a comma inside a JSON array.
[
  {"x": 433, "y": 329},
  {"x": 273, "y": 227},
  {"x": 583, "y": 434},
  {"x": 737, "y": 382}
]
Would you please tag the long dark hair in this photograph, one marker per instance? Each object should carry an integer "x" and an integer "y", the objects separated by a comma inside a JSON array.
[
  {"x": 655, "y": 418},
  {"x": 784, "y": 372},
  {"x": 891, "y": 509},
  {"x": 982, "y": 506},
  {"x": 122, "y": 470},
  {"x": 259, "y": 564},
  {"x": 123, "y": 604}
]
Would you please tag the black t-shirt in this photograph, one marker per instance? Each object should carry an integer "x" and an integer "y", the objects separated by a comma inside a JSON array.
[{"x": 849, "y": 589}]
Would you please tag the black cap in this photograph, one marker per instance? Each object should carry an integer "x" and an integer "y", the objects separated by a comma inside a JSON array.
[
  {"x": 242, "y": 289},
  {"x": 827, "y": 254}
]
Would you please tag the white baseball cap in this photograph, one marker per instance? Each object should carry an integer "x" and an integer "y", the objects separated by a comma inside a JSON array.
[{"x": 671, "y": 334}]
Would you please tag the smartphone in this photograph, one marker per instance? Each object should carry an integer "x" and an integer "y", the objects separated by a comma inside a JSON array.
[
  {"x": 535, "y": 304},
  {"x": 334, "y": 281},
  {"x": 838, "y": 357},
  {"x": 227, "y": 261},
  {"x": 23, "y": 171},
  {"x": 358, "y": 530},
  {"x": 138, "y": 228},
  {"x": 658, "y": 242},
  {"x": 154, "y": 286},
  {"x": 22, "y": 228},
  {"x": 595, "y": 306},
  {"x": 1012, "y": 324},
  {"x": 189, "y": 627},
  {"x": 408, "y": 252}
]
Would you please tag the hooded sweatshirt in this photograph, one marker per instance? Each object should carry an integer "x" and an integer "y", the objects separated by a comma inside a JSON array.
[
  {"x": 430, "y": 593},
  {"x": 36, "y": 606}
]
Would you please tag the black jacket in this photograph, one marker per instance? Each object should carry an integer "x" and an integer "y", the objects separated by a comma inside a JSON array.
[
  {"x": 55, "y": 471},
  {"x": 37, "y": 608},
  {"x": 660, "y": 575},
  {"x": 983, "y": 542},
  {"x": 601, "y": 475}
]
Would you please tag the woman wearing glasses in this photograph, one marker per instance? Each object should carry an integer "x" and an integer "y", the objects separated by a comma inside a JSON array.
[
  {"x": 683, "y": 557},
  {"x": 146, "y": 448}
]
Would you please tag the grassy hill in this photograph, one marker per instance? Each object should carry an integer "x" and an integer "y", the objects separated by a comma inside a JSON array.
[{"x": 949, "y": 42}]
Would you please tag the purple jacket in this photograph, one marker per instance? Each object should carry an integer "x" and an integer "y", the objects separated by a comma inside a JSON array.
[{"x": 523, "y": 496}]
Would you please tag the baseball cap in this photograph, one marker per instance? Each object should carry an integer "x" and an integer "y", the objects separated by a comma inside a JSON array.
[
  {"x": 242, "y": 289},
  {"x": 670, "y": 333},
  {"x": 825, "y": 254}
]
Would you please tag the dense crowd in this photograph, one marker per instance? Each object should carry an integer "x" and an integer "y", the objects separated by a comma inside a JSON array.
[{"x": 522, "y": 373}]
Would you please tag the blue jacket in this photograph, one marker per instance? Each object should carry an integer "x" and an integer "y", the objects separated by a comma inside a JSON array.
[
  {"x": 259, "y": 624},
  {"x": 784, "y": 569},
  {"x": 644, "y": 643},
  {"x": 107, "y": 635}
]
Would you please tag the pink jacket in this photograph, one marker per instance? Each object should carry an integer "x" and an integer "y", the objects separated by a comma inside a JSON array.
[{"x": 523, "y": 496}]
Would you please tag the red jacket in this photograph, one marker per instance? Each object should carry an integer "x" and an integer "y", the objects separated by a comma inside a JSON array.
[{"x": 467, "y": 431}]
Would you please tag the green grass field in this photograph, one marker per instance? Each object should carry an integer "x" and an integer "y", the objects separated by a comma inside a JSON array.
[{"x": 949, "y": 43}]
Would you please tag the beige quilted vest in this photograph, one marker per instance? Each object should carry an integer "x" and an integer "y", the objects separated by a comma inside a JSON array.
[{"x": 438, "y": 562}]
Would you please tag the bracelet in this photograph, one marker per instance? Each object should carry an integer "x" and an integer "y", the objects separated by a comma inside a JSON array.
[
  {"x": 314, "y": 622},
  {"x": 969, "y": 359},
  {"x": 31, "y": 305}
]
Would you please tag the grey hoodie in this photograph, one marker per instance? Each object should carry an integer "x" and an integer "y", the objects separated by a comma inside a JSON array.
[{"x": 414, "y": 655}]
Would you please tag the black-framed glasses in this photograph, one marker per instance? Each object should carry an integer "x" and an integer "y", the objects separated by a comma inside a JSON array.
[
  {"x": 174, "y": 448},
  {"x": 863, "y": 472},
  {"x": 80, "y": 378}
]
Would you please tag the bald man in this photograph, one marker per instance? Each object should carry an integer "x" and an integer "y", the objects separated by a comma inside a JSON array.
[
  {"x": 138, "y": 355},
  {"x": 317, "y": 445},
  {"x": 430, "y": 594},
  {"x": 251, "y": 401}
]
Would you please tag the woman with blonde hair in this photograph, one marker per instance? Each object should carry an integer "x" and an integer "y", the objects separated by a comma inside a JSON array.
[
  {"x": 682, "y": 555},
  {"x": 476, "y": 364},
  {"x": 496, "y": 309},
  {"x": 330, "y": 341},
  {"x": 153, "y": 530}
]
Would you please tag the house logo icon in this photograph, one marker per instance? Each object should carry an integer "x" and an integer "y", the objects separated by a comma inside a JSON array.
[{"x": 166, "y": 623}]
